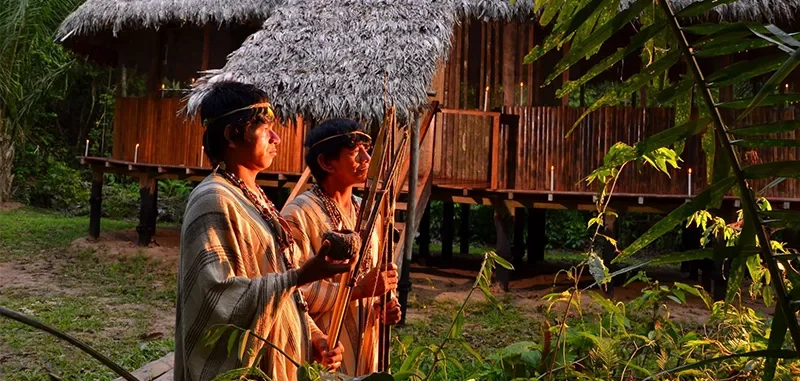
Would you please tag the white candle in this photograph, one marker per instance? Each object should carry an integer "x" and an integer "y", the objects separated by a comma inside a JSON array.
[
  {"x": 690, "y": 182},
  {"x": 552, "y": 180},
  {"x": 202, "y": 148},
  {"x": 486, "y": 99},
  {"x": 136, "y": 154},
  {"x": 86, "y": 152},
  {"x": 520, "y": 93}
]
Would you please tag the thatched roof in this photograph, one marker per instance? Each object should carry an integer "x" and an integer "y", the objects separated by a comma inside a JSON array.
[
  {"x": 96, "y": 16},
  {"x": 325, "y": 59}
]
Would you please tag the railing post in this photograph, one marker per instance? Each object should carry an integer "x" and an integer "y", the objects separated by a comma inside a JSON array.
[{"x": 494, "y": 170}]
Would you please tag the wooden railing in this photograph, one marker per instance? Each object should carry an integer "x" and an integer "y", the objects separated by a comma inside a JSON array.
[
  {"x": 521, "y": 149},
  {"x": 525, "y": 149}
]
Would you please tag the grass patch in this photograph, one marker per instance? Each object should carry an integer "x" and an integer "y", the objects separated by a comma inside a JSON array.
[
  {"x": 28, "y": 229},
  {"x": 107, "y": 303}
]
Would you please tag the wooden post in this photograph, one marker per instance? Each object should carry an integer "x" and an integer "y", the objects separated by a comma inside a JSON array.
[
  {"x": 519, "y": 236},
  {"x": 717, "y": 269},
  {"x": 404, "y": 285},
  {"x": 510, "y": 63},
  {"x": 503, "y": 222},
  {"x": 464, "y": 233},
  {"x": 536, "y": 237},
  {"x": 148, "y": 210},
  {"x": 609, "y": 251},
  {"x": 96, "y": 204},
  {"x": 447, "y": 231},
  {"x": 690, "y": 240},
  {"x": 425, "y": 234}
]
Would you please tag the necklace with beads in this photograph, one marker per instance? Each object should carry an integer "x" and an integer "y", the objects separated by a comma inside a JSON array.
[
  {"x": 336, "y": 217},
  {"x": 270, "y": 214}
]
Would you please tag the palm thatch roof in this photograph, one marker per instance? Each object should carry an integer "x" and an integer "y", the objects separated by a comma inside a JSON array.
[
  {"x": 96, "y": 16},
  {"x": 324, "y": 59}
]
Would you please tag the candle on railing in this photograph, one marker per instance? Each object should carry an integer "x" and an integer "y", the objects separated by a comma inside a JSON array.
[
  {"x": 690, "y": 182},
  {"x": 521, "y": 85},
  {"x": 552, "y": 179},
  {"x": 486, "y": 99},
  {"x": 136, "y": 154},
  {"x": 86, "y": 152},
  {"x": 202, "y": 148}
]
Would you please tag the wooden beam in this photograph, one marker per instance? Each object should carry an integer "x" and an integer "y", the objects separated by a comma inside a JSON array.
[
  {"x": 448, "y": 217},
  {"x": 425, "y": 234},
  {"x": 537, "y": 239},
  {"x": 148, "y": 209},
  {"x": 206, "y": 47},
  {"x": 519, "y": 236},
  {"x": 495, "y": 164},
  {"x": 464, "y": 232},
  {"x": 503, "y": 222},
  {"x": 96, "y": 204}
]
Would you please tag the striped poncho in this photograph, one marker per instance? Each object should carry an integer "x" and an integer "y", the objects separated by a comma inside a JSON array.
[
  {"x": 359, "y": 336},
  {"x": 230, "y": 273}
]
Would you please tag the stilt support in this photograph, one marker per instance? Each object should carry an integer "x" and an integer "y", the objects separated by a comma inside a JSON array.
[
  {"x": 504, "y": 225},
  {"x": 464, "y": 233},
  {"x": 447, "y": 231},
  {"x": 537, "y": 239},
  {"x": 148, "y": 210},
  {"x": 96, "y": 204}
]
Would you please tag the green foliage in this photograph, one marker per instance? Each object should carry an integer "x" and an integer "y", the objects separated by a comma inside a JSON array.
[{"x": 566, "y": 229}]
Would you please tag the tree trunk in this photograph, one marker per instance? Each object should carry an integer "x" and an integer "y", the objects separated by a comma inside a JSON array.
[{"x": 6, "y": 162}]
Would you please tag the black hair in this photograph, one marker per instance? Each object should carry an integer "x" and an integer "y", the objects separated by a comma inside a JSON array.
[
  {"x": 225, "y": 97},
  {"x": 331, "y": 147}
]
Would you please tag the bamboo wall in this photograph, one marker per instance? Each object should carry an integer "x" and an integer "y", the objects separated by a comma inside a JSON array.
[{"x": 165, "y": 138}]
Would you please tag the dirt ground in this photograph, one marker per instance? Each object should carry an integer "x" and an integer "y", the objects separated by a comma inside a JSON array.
[{"x": 428, "y": 284}]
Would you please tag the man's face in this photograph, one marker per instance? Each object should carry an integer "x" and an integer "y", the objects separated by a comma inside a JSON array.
[
  {"x": 352, "y": 164},
  {"x": 261, "y": 146}
]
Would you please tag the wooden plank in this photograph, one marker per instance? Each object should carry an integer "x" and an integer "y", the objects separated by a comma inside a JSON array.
[
  {"x": 154, "y": 369},
  {"x": 206, "y": 46}
]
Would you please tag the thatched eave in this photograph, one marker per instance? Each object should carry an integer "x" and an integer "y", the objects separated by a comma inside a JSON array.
[
  {"x": 325, "y": 59},
  {"x": 98, "y": 16}
]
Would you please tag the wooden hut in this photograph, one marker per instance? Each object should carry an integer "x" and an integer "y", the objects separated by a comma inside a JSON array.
[{"x": 498, "y": 136}]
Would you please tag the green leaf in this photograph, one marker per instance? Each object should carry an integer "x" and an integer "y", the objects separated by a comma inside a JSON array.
[
  {"x": 243, "y": 344},
  {"x": 776, "y": 43},
  {"x": 783, "y": 36},
  {"x": 672, "y": 135},
  {"x": 232, "y": 340},
  {"x": 214, "y": 334},
  {"x": 407, "y": 375},
  {"x": 677, "y": 216},
  {"x": 788, "y": 169},
  {"x": 777, "y": 336},
  {"x": 745, "y": 70},
  {"x": 696, "y": 291},
  {"x": 785, "y": 354},
  {"x": 503, "y": 263},
  {"x": 764, "y": 96},
  {"x": 766, "y": 129},
  {"x": 458, "y": 325},
  {"x": 768, "y": 100},
  {"x": 597, "y": 38},
  {"x": 413, "y": 358},
  {"x": 727, "y": 49},
  {"x": 471, "y": 351},
  {"x": 712, "y": 29},
  {"x": 634, "y": 45},
  {"x": 701, "y": 7}
]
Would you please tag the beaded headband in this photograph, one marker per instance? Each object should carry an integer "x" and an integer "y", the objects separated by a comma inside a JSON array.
[
  {"x": 264, "y": 105},
  {"x": 361, "y": 133}
]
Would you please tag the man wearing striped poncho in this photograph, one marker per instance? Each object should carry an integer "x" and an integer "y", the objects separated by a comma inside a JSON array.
[
  {"x": 238, "y": 262},
  {"x": 337, "y": 155}
]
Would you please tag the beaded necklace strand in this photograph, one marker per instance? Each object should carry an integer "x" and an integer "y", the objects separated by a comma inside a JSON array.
[{"x": 336, "y": 217}]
